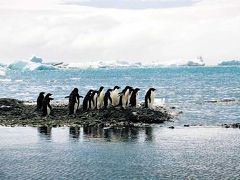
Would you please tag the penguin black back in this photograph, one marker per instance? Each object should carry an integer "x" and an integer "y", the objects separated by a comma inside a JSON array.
[
  {"x": 148, "y": 97},
  {"x": 73, "y": 100},
  {"x": 133, "y": 98},
  {"x": 40, "y": 100},
  {"x": 46, "y": 104},
  {"x": 107, "y": 98},
  {"x": 93, "y": 99},
  {"x": 86, "y": 100}
]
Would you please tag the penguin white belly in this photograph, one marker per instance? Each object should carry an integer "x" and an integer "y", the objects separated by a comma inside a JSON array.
[
  {"x": 115, "y": 97},
  {"x": 136, "y": 99},
  {"x": 128, "y": 100},
  {"x": 152, "y": 100},
  {"x": 94, "y": 103},
  {"x": 124, "y": 101},
  {"x": 100, "y": 102},
  {"x": 48, "y": 111},
  {"x": 76, "y": 106},
  {"x": 109, "y": 103}
]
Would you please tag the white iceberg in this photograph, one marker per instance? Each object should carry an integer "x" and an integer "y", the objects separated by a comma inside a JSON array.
[{"x": 30, "y": 66}]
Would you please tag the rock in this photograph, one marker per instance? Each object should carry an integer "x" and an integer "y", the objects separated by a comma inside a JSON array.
[
  {"x": 171, "y": 127},
  {"x": 25, "y": 114},
  {"x": 186, "y": 125}
]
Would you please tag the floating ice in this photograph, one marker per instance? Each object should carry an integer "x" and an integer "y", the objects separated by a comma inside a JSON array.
[{"x": 30, "y": 66}]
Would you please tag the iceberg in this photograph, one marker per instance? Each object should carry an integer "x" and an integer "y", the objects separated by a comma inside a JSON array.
[
  {"x": 230, "y": 63},
  {"x": 101, "y": 64},
  {"x": 34, "y": 64},
  {"x": 2, "y": 70}
]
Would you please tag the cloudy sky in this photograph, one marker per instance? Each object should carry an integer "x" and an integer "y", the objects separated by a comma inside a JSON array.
[{"x": 135, "y": 30}]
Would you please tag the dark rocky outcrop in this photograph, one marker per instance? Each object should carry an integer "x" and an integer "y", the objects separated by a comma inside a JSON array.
[
  {"x": 234, "y": 125},
  {"x": 16, "y": 113}
]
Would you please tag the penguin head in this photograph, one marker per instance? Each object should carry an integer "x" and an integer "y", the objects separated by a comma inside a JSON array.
[
  {"x": 101, "y": 88},
  {"x": 136, "y": 89},
  {"x": 109, "y": 90},
  {"x": 75, "y": 90},
  {"x": 152, "y": 89},
  {"x": 90, "y": 91},
  {"x": 116, "y": 87},
  {"x": 48, "y": 95},
  {"x": 128, "y": 87},
  {"x": 41, "y": 93}
]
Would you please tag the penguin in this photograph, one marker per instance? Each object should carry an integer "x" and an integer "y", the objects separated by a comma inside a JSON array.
[
  {"x": 129, "y": 97},
  {"x": 115, "y": 96},
  {"x": 40, "y": 100},
  {"x": 87, "y": 100},
  {"x": 74, "y": 100},
  {"x": 124, "y": 96},
  {"x": 100, "y": 98},
  {"x": 149, "y": 98},
  {"x": 133, "y": 98},
  {"x": 93, "y": 99},
  {"x": 46, "y": 109},
  {"x": 107, "y": 98}
]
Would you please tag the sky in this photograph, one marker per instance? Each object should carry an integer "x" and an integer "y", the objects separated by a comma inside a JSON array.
[{"x": 79, "y": 31}]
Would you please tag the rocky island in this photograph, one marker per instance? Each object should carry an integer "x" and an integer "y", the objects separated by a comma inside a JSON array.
[{"x": 17, "y": 113}]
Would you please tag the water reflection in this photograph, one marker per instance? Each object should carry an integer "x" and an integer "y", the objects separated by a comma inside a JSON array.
[
  {"x": 74, "y": 132},
  {"x": 149, "y": 134},
  {"x": 119, "y": 134},
  {"x": 45, "y": 132},
  {"x": 126, "y": 134}
]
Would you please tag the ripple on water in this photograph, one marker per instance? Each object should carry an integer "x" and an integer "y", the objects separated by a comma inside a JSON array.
[{"x": 145, "y": 153}]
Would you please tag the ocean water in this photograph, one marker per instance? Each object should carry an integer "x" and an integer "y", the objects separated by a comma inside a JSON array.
[
  {"x": 147, "y": 153},
  {"x": 186, "y": 88},
  {"x": 204, "y": 151}
]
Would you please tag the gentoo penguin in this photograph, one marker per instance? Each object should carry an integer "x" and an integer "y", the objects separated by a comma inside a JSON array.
[
  {"x": 133, "y": 98},
  {"x": 87, "y": 101},
  {"x": 115, "y": 96},
  {"x": 100, "y": 98},
  {"x": 107, "y": 98},
  {"x": 74, "y": 100},
  {"x": 124, "y": 96},
  {"x": 40, "y": 100},
  {"x": 149, "y": 98},
  {"x": 46, "y": 109},
  {"x": 93, "y": 99}
]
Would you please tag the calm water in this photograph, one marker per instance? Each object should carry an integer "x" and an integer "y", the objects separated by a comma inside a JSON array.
[
  {"x": 208, "y": 152},
  {"x": 150, "y": 153}
]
